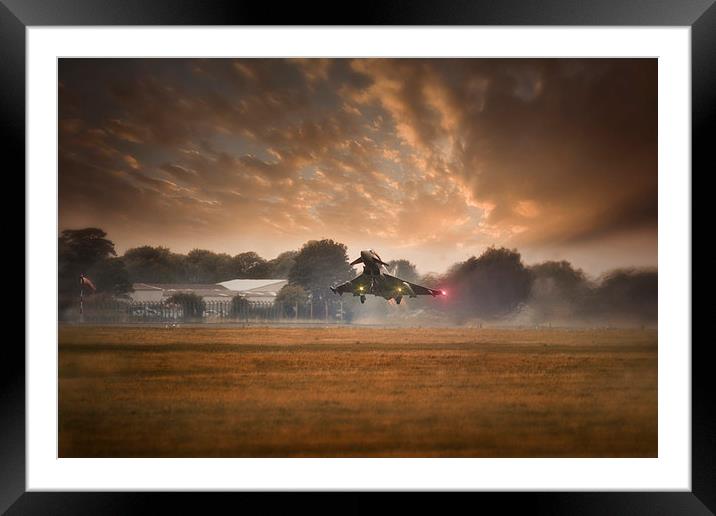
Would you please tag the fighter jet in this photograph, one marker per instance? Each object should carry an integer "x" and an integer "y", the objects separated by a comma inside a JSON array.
[{"x": 376, "y": 282}]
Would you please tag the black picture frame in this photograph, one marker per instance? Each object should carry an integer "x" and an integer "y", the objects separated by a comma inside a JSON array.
[{"x": 17, "y": 15}]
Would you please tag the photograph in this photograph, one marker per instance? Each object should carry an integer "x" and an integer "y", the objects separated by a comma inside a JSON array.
[{"x": 357, "y": 257}]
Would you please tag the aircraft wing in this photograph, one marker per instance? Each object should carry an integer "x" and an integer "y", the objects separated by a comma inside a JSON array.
[
  {"x": 358, "y": 285},
  {"x": 418, "y": 290}
]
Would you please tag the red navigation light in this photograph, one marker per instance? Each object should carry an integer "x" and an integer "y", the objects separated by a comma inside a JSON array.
[{"x": 443, "y": 292}]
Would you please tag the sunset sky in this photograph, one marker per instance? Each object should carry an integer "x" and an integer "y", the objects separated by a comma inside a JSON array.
[{"x": 431, "y": 160}]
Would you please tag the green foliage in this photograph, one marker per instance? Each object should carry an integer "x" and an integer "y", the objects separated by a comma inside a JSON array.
[
  {"x": 249, "y": 266},
  {"x": 204, "y": 266},
  {"x": 318, "y": 265},
  {"x": 193, "y": 306},
  {"x": 562, "y": 293},
  {"x": 627, "y": 294},
  {"x": 88, "y": 251},
  {"x": 282, "y": 264},
  {"x": 99, "y": 300},
  {"x": 111, "y": 276},
  {"x": 404, "y": 270},
  {"x": 148, "y": 264},
  {"x": 492, "y": 285},
  {"x": 239, "y": 305},
  {"x": 564, "y": 275},
  {"x": 431, "y": 280},
  {"x": 558, "y": 291},
  {"x": 290, "y": 297},
  {"x": 85, "y": 247}
]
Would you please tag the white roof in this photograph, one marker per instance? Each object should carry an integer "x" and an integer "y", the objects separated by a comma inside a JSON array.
[
  {"x": 245, "y": 285},
  {"x": 144, "y": 286}
]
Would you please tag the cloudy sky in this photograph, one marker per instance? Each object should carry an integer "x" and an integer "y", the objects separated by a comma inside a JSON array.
[{"x": 431, "y": 160}]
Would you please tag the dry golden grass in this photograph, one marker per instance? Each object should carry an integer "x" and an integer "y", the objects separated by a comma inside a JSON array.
[{"x": 324, "y": 392}]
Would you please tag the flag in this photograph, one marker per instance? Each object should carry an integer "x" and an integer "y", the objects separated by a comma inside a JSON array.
[{"x": 86, "y": 282}]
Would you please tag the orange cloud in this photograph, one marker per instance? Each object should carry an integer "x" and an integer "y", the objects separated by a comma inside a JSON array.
[{"x": 438, "y": 156}]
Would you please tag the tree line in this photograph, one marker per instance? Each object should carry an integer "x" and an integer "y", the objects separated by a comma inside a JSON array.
[{"x": 495, "y": 285}]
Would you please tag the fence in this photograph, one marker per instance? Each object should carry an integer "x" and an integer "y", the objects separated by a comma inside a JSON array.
[{"x": 116, "y": 311}]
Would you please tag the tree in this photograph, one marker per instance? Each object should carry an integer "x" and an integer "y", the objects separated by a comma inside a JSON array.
[
  {"x": 111, "y": 276},
  {"x": 627, "y": 295},
  {"x": 431, "y": 280},
  {"x": 558, "y": 290},
  {"x": 280, "y": 266},
  {"x": 492, "y": 285},
  {"x": 88, "y": 251},
  {"x": 249, "y": 265},
  {"x": 404, "y": 269},
  {"x": 208, "y": 267},
  {"x": 239, "y": 305},
  {"x": 292, "y": 294},
  {"x": 290, "y": 297},
  {"x": 148, "y": 264},
  {"x": 320, "y": 264},
  {"x": 85, "y": 247},
  {"x": 192, "y": 305}
]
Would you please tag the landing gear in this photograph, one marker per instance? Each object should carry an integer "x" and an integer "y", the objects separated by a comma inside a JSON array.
[
  {"x": 398, "y": 299},
  {"x": 362, "y": 299}
]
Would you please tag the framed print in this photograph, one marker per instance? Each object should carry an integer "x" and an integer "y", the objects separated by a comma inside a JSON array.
[{"x": 441, "y": 250}]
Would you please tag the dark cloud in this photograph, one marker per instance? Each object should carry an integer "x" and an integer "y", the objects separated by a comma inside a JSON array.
[{"x": 434, "y": 157}]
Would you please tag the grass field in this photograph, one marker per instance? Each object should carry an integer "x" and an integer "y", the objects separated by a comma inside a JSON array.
[{"x": 358, "y": 392}]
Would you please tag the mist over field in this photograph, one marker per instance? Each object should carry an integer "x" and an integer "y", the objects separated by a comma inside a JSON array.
[{"x": 496, "y": 288}]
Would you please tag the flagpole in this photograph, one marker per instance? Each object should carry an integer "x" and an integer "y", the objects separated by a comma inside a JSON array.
[{"x": 81, "y": 301}]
